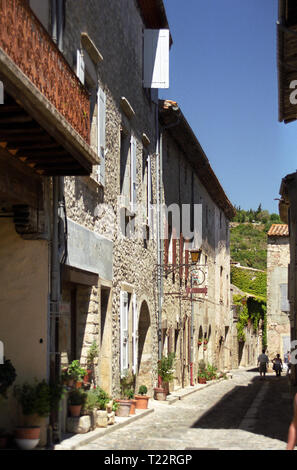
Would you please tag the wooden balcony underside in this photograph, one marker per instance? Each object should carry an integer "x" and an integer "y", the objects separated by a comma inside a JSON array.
[
  {"x": 25, "y": 140},
  {"x": 45, "y": 119}
]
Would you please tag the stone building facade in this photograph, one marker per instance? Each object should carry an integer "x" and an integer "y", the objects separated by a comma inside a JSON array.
[
  {"x": 188, "y": 182},
  {"x": 278, "y": 308},
  {"x": 109, "y": 211},
  {"x": 44, "y": 134},
  {"x": 85, "y": 148},
  {"x": 286, "y": 48}
]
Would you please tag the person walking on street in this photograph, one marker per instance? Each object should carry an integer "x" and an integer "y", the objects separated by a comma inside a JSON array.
[
  {"x": 262, "y": 362},
  {"x": 277, "y": 365}
]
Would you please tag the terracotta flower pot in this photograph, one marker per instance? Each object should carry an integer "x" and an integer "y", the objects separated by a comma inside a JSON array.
[
  {"x": 160, "y": 394},
  {"x": 78, "y": 384},
  {"x": 75, "y": 410},
  {"x": 27, "y": 432},
  {"x": 124, "y": 409},
  {"x": 141, "y": 402},
  {"x": 132, "y": 409},
  {"x": 27, "y": 437},
  {"x": 201, "y": 380},
  {"x": 87, "y": 377}
]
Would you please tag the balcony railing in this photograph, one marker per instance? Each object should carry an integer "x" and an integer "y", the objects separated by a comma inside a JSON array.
[{"x": 30, "y": 47}]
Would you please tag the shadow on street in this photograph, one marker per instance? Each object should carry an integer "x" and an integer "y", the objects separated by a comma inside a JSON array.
[{"x": 273, "y": 416}]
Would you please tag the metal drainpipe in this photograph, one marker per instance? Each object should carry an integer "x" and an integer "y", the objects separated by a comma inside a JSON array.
[
  {"x": 159, "y": 257},
  {"x": 54, "y": 293},
  {"x": 55, "y": 265},
  {"x": 192, "y": 335},
  {"x": 161, "y": 251},
  {"x": 60, "y": 25},
  {"x": 54, "y": 20}
]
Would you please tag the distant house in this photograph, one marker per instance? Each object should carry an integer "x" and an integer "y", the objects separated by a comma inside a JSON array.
[{"x": 278, "y": 308}]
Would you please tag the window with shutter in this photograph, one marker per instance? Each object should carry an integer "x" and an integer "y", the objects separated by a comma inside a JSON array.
[
  {"x": 101, "y": 100},
  {"x": 124, "y": 328},
  {"x": 149, "y": 192},
  {"x": 80, "y": 67},
  {"x": 156, "y": 58},
  {"x": 133, "y": 175},
  {"x": 135, "y": 334},
  {"x": 284, "y": 303}
]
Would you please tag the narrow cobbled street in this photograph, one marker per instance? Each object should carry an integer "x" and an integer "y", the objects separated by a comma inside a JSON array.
[{"x": 242, "y": 413}]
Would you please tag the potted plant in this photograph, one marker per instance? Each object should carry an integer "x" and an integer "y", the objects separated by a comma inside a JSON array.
[
  {"x": 160, "y": 393},
  {"x": 142, "y": 399},
  {"x": 76, "y": 400},
  {"x": 202, "y": 373},
  {"x": 7, "y": 377},
  {"x": 91, "y": 402},
  {"x": 124, "y": 405},
  {"x": 166, "y": 371},
  {"x": 211, "y": 372},
  {"x": 127, "y": 383},
  {"x": 35, "y": 400},
  {"x": 200, "y": 341},
  {"x": 66, "y": 379},
  {"x": 77, "y": 373},
  {"x": 130, "y": 396},
  {"x": 102, "y": 401},
  {"x": 90, "y": 407},
  {"x": 201, "y": 377}
]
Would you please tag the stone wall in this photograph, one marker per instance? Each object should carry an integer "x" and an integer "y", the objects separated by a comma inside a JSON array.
[
  {"x": 211, "y": 317},
  {"x": 24, "y": 307},
  {"x": 278, "y": 324},
  {"x": 116, "y": 29}
]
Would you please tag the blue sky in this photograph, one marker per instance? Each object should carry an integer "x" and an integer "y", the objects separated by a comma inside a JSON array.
[{"x": 223, "y": 75}]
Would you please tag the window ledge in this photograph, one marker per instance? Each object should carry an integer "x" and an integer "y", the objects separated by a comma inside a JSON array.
[
  {"x": 127, "y": 108},
  {"x": 91, "y": 49}
]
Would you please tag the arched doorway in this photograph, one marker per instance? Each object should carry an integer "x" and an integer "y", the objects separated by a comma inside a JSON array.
[{"x": 144, "y": 367}]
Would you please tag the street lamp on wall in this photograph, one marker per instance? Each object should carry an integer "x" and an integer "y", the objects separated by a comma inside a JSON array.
[
  {"x": 195, "y": 255},
  {"x": 197, "y": 278}
]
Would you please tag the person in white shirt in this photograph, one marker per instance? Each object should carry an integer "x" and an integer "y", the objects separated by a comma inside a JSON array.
[{"x": 262, "y": 362}]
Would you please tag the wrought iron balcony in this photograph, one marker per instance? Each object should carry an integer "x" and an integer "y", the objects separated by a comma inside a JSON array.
[{"x": 39, "y": 83}]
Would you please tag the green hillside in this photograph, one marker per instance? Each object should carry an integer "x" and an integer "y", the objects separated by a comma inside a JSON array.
[
  {"x": 248, "y": 246},
  {"x": 248, "y": 236}
]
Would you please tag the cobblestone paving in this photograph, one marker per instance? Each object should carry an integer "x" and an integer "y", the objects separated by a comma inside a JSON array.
[{"x": 243, "y": 413}]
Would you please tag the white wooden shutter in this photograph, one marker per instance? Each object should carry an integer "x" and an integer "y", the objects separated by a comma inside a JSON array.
[
  {"x": 156, "y": 58},
  {"x": 80, "y": 67},
  {"x": 149, "y": 191},
  {"x": 133, "y": 176},
  {"x": 101, "y": 122},
  {"x": 284, "y": 303},
  {"x": 124, "y": 328},
  {"x": 135, "y": 334}
]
